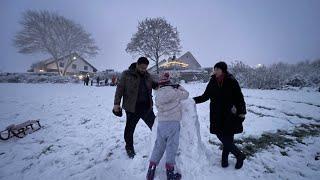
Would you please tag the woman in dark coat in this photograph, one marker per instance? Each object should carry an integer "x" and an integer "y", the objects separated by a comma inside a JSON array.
[{"x": 227, "y": 111}]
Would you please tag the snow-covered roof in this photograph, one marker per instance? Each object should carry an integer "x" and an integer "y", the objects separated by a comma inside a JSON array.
[
  {"x": 189, "y": 59},
  {"x": 51, "y": 60}
]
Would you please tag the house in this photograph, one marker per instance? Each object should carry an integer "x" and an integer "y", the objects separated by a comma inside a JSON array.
[
  {"x": 78, "y": 66},
  {"x": 185, "y": 62},
  {"x": 190, "y": 60},
  {"x": 185, "y": 68}
]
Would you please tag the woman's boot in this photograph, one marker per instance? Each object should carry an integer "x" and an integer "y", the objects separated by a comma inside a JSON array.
[
  {"x": 151, "y": 170},
  {"x": 240, "y": 158},
  {"x": 224, "y": 158},
  {"x": 170, "y": 173}
]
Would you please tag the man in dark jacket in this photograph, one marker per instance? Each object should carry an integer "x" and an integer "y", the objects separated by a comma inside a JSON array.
[
  {"x": 227, "y": 111},
  {"x": 98, "y": 81},
  {"x": 87, "y": 80},
  {"x": 135, "y": 87}
]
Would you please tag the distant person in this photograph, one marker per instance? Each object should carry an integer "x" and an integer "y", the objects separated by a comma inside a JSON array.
[
  {"x": 227, "y": 111},
  {"x": 98, "y": 80},
  {"x": 114, "y": 80},
  {"x": 135, "y": 88},
  {"x": 87, "y": 80},
  {"x": 91, "y": 82},
  {"x": 106, "y": 82}
]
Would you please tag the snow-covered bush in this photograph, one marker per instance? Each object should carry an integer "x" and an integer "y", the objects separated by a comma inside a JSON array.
[
  {"x": 278, "y": 75},
  {"x": 36, "y": 78},
  {"x": 297, "y": 81}
]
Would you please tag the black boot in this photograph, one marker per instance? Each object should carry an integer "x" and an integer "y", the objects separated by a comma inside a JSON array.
[
  {"x": 151, "y": 171},
  {"x": 170, "y": 173},
  {"x": 224, "y": 158},
  {"x": 130, "y": 151},
  {"x": 240, "y": 158}
]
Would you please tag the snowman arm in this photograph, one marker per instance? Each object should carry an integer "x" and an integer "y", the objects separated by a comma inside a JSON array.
[{"x": 182, "y": 93}]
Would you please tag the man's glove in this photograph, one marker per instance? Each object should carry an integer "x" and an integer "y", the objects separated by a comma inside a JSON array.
[{"x": 117, "y": 110}]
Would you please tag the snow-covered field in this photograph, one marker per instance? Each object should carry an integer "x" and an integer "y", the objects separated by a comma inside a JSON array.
[{"x": 81, "y": 139}]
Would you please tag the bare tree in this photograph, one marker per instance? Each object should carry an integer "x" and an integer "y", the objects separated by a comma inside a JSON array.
[
  {"x": 155, "y": 38},
  {"x": 50, "y": 33}
]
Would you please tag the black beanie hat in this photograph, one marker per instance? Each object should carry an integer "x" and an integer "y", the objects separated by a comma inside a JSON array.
[{"x": 221, "y": 65}]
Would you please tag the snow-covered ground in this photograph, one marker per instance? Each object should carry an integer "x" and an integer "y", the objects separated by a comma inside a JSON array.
[{"x": 81, "y": 139}]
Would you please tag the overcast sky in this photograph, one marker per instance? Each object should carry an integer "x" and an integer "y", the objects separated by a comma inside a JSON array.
[{"x": 253, "y": 31}]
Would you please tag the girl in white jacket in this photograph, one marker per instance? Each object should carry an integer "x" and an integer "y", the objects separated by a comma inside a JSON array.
[{"x": 169, "y": 115}]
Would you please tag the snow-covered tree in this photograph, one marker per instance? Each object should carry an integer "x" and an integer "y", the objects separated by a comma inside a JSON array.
[
  {"x": 52, "y": 34},
  {"x": 155, "y": 38},
  {"x": 277, "y": 75}
]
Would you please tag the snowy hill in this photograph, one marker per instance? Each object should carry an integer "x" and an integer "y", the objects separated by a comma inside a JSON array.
[{"x": 81, "y": 139}]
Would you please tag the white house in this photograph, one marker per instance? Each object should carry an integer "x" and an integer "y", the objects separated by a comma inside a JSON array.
[{"x": 78, "y": 66}]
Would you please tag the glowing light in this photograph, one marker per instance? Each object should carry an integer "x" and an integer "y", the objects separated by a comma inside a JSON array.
[
  {"x": 172, "y": 63},
  {"x": 41, "y": 70},
  {"x": 80, "y": 77},
  {"x": 74, "y": 58}
]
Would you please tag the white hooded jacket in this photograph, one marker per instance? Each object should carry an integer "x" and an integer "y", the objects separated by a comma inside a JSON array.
[{"x": 167, "y": 101}]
